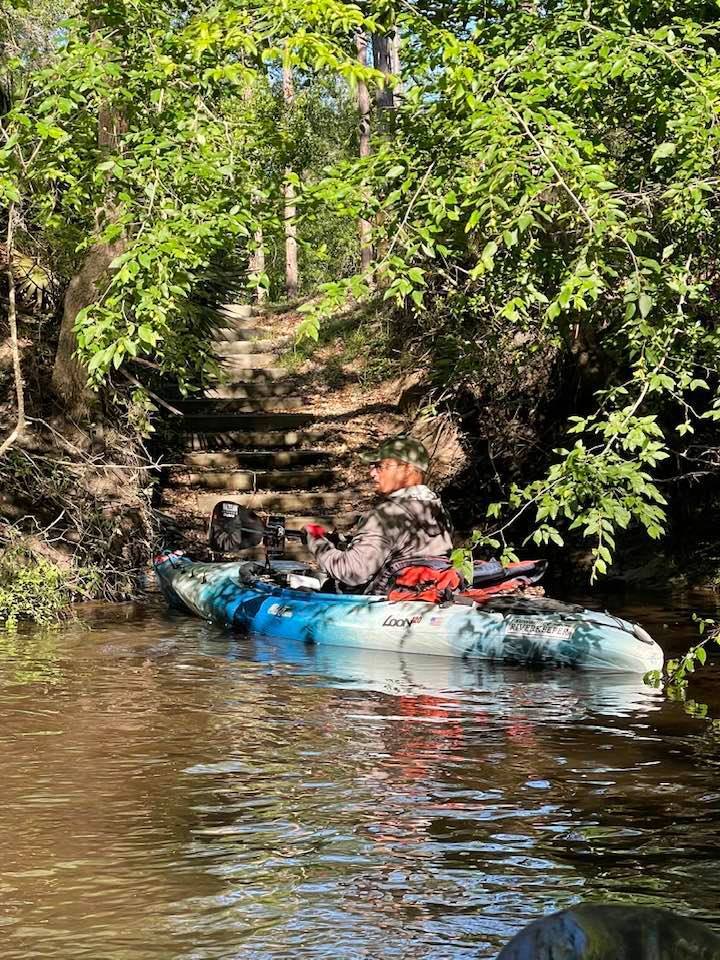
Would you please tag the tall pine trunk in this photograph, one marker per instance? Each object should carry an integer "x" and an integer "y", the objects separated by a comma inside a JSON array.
[
  {"x": 291, "y": 256},
  {"x": 257, "y": 257},
  {"x": 395, "y": 64},
  {"x": 386, "y": 59},
  {"x": 257, "y": 261},
  {"x": 363, "y": 99}
]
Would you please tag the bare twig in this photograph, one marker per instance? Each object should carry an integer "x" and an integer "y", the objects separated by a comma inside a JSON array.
[
  {"x": 145, "y": 363},
  {"x": 550, "y": 162},
  {"x": 403, "y": 224},
  {"x": 153, "y": 396}
]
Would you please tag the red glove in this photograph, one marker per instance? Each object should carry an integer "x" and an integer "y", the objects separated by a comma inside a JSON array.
[{"x": 315, "y": 531}]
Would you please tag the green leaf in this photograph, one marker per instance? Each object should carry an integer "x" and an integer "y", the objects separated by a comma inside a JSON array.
[
  {"x": 147, "y": 334},
  {"x": 473, "y": 221},
  {"x": 666, "y": 149},
  {"x": 95, "y": 361},
  {"x": 486, "y": 258}
]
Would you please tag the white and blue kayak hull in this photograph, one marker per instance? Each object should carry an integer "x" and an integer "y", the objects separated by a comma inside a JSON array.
[{"x": 511, "y": 630}]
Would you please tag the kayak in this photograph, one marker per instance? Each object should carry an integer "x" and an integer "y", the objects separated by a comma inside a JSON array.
[{"x": 509, "y": 628}]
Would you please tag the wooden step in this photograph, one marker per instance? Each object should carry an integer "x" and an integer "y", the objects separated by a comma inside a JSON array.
[
  {"x": 233, "y": 334},
  {"x": 251, "y": 391},
  {"x": 197, "y": 523},
  {"x": 247, "y": 375},
  {"x": 293, "y": 551},
  {"x": 257, "y": 459},
  {"x": 234, "y": 348},
  {"x": 311, "y": 504},
  {"x": 239, "y": 311},
  {"x": 247, "y": 361},
  {"x": 303, "y": 478},
  {"x": 245, "y": 422},
  {"x": 194, "y": 512},
  {"x": 255, "y": 439},
  {"x": 218, "y": 405}
]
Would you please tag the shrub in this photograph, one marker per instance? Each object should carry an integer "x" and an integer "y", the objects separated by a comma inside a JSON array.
[{"x": 32, "y": 588}]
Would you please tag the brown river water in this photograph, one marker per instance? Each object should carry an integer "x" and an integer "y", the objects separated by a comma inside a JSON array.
[{"x": 170, "y": 790}]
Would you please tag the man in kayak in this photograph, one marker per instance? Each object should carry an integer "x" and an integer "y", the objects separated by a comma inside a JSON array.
[{"x": 409, "y": 525}]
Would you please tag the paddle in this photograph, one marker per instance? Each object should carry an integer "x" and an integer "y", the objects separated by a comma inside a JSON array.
[{"x": 234, "y": 528}]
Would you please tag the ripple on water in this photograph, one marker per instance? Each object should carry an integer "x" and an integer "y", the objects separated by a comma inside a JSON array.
[{"x": 173, "y": 791}]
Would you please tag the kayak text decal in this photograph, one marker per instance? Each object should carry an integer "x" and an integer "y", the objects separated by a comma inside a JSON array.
[
  {"x": 527, "y": 627},
  {"x": 401, "y": 621}
]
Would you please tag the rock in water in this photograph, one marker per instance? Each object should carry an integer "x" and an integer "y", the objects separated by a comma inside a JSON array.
[{"x": 613, "y": 932}]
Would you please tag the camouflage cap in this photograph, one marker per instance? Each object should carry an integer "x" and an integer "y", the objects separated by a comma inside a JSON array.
[{"x": 404, "y": 449}]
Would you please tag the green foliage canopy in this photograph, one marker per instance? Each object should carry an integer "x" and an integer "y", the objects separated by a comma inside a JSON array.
[
  {"x": 185, "y": 88},
  {"x": 557, "y": 169}
]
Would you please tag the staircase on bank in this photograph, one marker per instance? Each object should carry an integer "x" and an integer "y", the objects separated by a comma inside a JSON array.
[{"x": 253, "y": 439}]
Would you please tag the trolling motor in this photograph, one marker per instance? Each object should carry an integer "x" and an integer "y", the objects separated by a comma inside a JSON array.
[{"x": 233, "y": 529}]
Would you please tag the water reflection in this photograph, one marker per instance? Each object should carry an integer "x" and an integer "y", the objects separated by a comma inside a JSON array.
[{"x": 172, "y": 791}]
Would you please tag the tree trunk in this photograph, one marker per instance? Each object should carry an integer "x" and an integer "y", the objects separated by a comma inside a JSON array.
[
  {"x": 292, "y": 278},
  {"x": 257, "y": 257},
  {"x": 384, "y": 59},
  {"x": 69, "y": 376},
  {"x": 363, "y": 97},
  {"x": 111, "y": 126},
  {"x": 257, "y": 262},
  {"x": 291, "y": 257},
  {"x": 396, "y": 65}
]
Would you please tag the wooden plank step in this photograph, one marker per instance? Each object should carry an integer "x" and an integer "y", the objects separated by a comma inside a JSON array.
[
  {"x": 247, "y": 375},
  {"x": 303, "y": 478},
  {"x": 239, "y": 311},
  {"x": 257, "y": 459},
  {"x": 234, "y": 348},
  {"x": 221, "y": 405},
  {"x": 256, "y": 389},
  {"x": 233, "y": 334},
  {"x": 247, "y": 361},
  {"x": 251, "y": 391},
  {"x": 223, "y": 422},
  {"x": 318, "y": 503},
  {"x": 255, "y": 439},
  {"x": 293, "y": 551}
]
